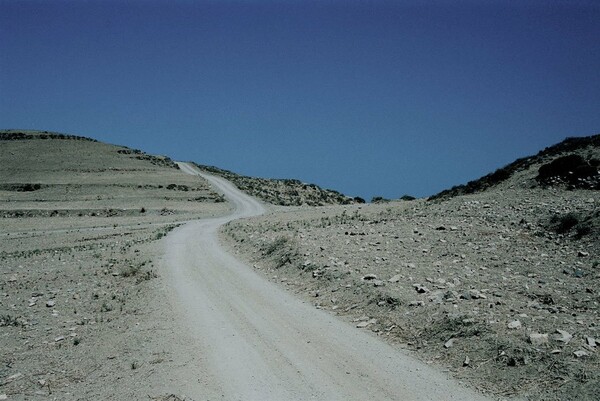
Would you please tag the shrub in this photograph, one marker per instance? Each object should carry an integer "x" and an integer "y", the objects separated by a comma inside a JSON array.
[{"x": 562, "y": 224}]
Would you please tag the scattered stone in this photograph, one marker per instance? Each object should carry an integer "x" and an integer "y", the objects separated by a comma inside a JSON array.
[
  {"x": 582, "y": 254},
  {"x": 591, "y": 342},
  {"x": 416, "y": 303},
  {"x": 538, "y": 339},
  {"x": 59, "y": 339},
  {"x": 366, "y": 324},
  {"x": 3, "y": 397},
  {"x": 474, "y": 294},
  {"x": 467, "y": 361},
  {"x": 581, "y": 353},
  {"x": 449, "y": 343},
  {"x": 395, "y": 279},
  {"x": 450, "y": 296},
  {"x": 369, "y": 277},
  {"x": 12, "y": 378},
  {"x": 563, "y": 336},
  {"x": 50, "y": 303},
  {"x": 421, "y": 289},
  {"x": 513, "y": 325},
  {"x": 378, "y": 283}
]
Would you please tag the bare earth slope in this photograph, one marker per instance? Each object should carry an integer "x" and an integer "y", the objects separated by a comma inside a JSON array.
[
  {"x": 258, "y": 342},
  {"x": 499, "y": 287}
]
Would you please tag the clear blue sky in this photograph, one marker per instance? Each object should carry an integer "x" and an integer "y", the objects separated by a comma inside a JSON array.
[{"x": 366, "y": 97}]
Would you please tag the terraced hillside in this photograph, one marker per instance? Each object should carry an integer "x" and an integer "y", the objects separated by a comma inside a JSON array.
[{"x": 80, "y": 264}]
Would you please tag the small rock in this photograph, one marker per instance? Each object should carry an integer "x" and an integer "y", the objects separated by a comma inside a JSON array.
[
  {"x": 395, "y": 279},
  {"x": 467, "y": 361},
  {"x": 59, "y": 338},
  {"x": 474, "y": 294},
  {"x": 582, "y": 254},
  {"x": 3, "y": 397},
  {"x": 449, "y": 343},
  {"x": 421, "y": 289},
  {"x": 50, "y": 303},
  {"x": 555, "y": 351},
  {"x": 416, "y": 303},
  {"x": 450, "y": 296},
  {"x": 563, "y": 336},
  {"x": 538, "y": 338},
  {"x": 378, "y": 283},
  {"x": 369, "y": 277},
  {"x": 365, "y": 324},
  {"x": 515, "y": 324},
  {"x": 580, "y": 353},
  {"x": 16, "y": 376},
  {"x": 591, "y": 342},
  {"x": 42, "y": 382}
]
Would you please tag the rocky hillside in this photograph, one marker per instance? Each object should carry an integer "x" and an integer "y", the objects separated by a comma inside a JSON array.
[
  {"x": 284, "y": 192},
  {"x": 496, "y": 281},
  {"x": 573, "y": 163}
]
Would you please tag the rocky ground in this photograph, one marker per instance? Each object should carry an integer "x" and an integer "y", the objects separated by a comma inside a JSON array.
[{"x": 499, "y": 287}]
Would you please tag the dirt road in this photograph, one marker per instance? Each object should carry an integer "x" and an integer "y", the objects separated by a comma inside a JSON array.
[{"x": 255, "y": 341}]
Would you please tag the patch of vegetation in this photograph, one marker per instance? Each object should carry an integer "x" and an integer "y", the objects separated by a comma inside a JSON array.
[
  {"x": 282, "y": 250},
  {"x": 578, "y": 224},
  {"x": 9, "y": 320},
  {"x": 15, "y": 135},
  {"x": 28, "y": 187},
  {"x": 379, "y": 199},
  {"x": 573, "y": 170}
]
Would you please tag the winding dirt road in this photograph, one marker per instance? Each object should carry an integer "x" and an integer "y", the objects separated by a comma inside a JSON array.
[{"x": 257, "y": 342}]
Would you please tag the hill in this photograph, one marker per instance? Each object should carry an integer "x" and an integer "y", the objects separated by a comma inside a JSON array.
[
  {"x": 80, "y": 265},
  {"x": 495, "y": 281},
  {"x": 283, "y": 192},
  {"x": 574, "y": 163}
]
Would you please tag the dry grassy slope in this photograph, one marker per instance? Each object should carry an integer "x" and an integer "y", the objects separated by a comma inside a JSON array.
[
  {"x": 450, "y": 279},
  {"x": 80, "y": 284},
  {"x": 283, "y": 192}
]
